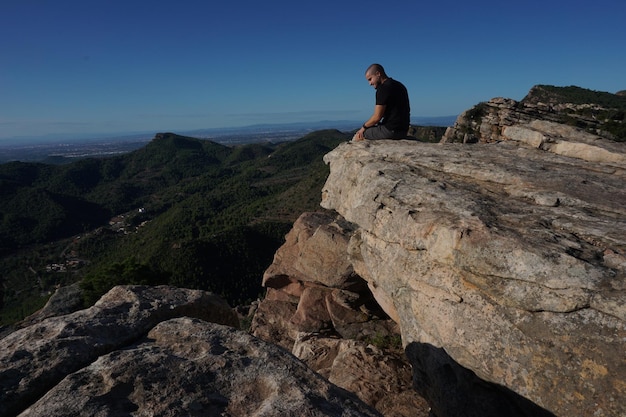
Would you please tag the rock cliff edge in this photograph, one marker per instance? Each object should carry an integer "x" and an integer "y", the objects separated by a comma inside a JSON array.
[{"x": 507, "y": 256}]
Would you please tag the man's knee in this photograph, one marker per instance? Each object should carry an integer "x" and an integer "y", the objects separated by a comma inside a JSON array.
[{"x": 378, "y": 132}]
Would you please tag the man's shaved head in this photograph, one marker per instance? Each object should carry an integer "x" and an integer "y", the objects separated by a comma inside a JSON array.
[{"x": 374, "y": 68}]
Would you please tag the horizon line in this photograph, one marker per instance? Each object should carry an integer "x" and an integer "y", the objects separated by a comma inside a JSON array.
[{"x": 50, "y": 137}]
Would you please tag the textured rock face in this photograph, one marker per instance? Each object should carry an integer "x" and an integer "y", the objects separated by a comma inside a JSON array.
[
  {"x": 318, "y": 308},
  {"x": 541, "y": 125},
  {"x": 191, "y": 367},
  {"x": 507, "y": 260},
  {"x": 381, "y": 379},
  {"x": 35, "y": 358},
  {"x": 133, "y": 353},
  {"x": 313, "y": 288}
]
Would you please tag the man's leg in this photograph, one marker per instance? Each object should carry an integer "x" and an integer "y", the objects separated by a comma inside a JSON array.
[{"x": 378, "y": 132}]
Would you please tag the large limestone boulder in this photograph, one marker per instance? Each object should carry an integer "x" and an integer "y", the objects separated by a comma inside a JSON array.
[
  {"x": 36, "y": 358},
  {"x": 189, "y": 367},
  {"x": 504, "y": 260}
]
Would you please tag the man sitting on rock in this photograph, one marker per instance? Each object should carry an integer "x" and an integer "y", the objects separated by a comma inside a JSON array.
[{"x": 392, "y": 111}]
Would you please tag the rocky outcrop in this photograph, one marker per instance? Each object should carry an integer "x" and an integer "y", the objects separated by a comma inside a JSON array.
[
  {"x": 158, "y": 351},
  {"x": 503, "y": 263},
  {"x": 545, "y": 115},
  {"x": 324, "y": 313},
  {"x": 191, "y": 367},
  {"x": 35, "y": 358}
]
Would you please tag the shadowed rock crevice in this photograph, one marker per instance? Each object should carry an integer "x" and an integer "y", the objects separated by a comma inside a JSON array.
[{"x": 452, "y": 390}]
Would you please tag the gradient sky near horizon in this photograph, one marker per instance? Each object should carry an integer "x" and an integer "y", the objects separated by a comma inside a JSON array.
[{"x": 101, "y": 67}]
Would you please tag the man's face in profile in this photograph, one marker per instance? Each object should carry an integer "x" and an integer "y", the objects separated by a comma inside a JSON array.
[{"x": 373, "y": 78}]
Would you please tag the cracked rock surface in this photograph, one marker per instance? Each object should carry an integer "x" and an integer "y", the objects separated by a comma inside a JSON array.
[
  {"x": 158, "y": 351},
  {"x": 508, "y": 257}
]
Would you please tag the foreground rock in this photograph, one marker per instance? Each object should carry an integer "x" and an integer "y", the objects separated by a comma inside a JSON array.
[
  {"x": 191, "y": 367},
  {"x": 35, "y": 358},
  {"x": 379, "y": 377},
  {"x": 503, "y": 264}
]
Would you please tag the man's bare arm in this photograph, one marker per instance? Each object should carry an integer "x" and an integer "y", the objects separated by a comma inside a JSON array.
[{"x": 379, "y": 111}]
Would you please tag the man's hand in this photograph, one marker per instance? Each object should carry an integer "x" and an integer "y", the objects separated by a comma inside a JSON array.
[
  {"x": 358, "y": 136},
  {"x": 379, "y": 112}
]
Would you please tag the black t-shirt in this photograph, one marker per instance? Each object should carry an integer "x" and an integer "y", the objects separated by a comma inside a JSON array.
[{"x": 394, "y": 96}]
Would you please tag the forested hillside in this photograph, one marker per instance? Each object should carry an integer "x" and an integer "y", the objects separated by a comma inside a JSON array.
[{"x": 182, "y": 211}]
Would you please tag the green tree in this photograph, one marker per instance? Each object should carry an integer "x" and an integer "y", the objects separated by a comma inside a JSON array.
[{"x": 130, "y": 271}]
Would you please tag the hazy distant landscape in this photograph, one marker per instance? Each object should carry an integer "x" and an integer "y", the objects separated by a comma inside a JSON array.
[
  {"x": 62, "y": 151},
  {"x": 57, "y": 149}
]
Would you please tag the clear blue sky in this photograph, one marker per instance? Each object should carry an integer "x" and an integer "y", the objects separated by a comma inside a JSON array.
[{"x": 135, "y": 65}]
